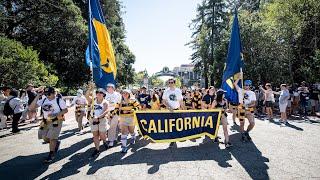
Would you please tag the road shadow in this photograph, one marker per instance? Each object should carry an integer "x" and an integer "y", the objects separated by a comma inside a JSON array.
[
  {"x": 250, "y": 157},
  {"x": 279, "y": 124},
  {"x": 157, "y": 157},
  {"x": 68, "y": 133},
  {"x": 31, "y": 167}
]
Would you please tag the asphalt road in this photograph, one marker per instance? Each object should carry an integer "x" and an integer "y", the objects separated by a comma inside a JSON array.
[{"x": 291, "y": 152}]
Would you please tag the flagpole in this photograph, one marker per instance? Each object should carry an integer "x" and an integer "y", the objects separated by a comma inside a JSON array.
[{"x": 91, "y": 59}]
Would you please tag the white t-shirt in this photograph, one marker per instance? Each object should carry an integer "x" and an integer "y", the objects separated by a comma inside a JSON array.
[
  {"x": 98, "y": 108},
  {"x": 173, "y": 97},
  {"x": 247, "y": 97},
  {"x": 113, "y": 99},
  {"x": 284, "y": 97},
  {"x": 16, "y": 104},
  {"x": 79, "y": 100},
  {"x": 51, "y": 107}
]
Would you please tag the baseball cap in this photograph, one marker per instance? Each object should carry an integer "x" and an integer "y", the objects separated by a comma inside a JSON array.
[
  {"x": 101, "y": 90},
  {"x": 111, "y": 85},
  {"x": 248, "y": 82},
  {"x": 80, "y": 91},
  {"x": 126, "y": 91},
  {"x": 49, "y": 90}
]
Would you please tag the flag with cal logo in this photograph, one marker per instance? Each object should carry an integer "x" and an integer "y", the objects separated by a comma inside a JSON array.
[
  {"x": 100, "y": 51},
  {"x": 233, "y": 64}
]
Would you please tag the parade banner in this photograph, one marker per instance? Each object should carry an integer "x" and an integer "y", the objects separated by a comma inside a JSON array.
[{"x": 180, "y": 125}]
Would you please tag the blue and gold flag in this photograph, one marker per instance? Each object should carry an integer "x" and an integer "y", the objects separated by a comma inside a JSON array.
[
  {"x": 100, "y": 51},
  {"x": 233, "y": 64}
]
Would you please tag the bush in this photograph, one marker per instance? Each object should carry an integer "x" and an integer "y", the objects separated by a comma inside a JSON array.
[{"x": 20, "y": 65}]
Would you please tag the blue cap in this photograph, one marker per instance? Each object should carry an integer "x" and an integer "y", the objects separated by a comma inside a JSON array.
[{"x": 248, "y": 82}]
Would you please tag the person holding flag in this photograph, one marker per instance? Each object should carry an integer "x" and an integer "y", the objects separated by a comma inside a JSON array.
[
  {"x": 101, "y": 60},
  {"x": 247, "y": 102},
  {"x": 233, "y": 65},
  {"x": 233, "y": 86},
  {"x": 98, "y": 121}
]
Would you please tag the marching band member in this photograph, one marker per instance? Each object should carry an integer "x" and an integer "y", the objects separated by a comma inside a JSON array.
[
  {"x": 113, "y": 98},
  {"x": 187, "y": 100},
  {"x": 53, "y": 109},
  {"x": 98, "y": 122},
  {"x": 247, "y": 101},
  {"x": 80, "y": 102},
  {"x": 125, "y": 110}
]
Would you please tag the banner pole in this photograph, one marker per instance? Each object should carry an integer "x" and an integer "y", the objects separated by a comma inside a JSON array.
[{"x": 91, "y": 63}]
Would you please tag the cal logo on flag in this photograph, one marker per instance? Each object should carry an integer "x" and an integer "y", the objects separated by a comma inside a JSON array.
[
  {"x": 233, "y": 64},
  {"x": 100, "y": 51}
]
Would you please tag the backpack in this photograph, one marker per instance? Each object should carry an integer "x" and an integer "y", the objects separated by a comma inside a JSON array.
[
  {"x": 7, "y": 110},
  {"x": 58, "y": 102}
]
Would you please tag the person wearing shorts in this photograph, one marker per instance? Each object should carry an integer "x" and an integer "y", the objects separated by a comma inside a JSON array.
[
  {"x": 268, "y": 100},
  {"x": 247, "y": 101},
  {"x": 125, "y": 110},
  {"x": 98, "y": 122},
  {"x": 113, "y": 98},
  {"x": 53, "y": 109},
  {"x": 80, "y": 102},
  {"x": 221, "y": 103},
  {"x": 283, "y": 103}
]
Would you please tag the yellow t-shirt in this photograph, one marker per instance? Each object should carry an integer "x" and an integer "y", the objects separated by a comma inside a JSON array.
[{"x": 155, "y": 105}]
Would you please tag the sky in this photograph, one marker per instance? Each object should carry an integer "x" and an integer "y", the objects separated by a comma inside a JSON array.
[{"x": 157, "y": 31}]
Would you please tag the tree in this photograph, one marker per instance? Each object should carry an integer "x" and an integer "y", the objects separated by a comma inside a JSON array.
[
  {"x": 20, "y": 65},
  {"x": 56, "y": 30},
  {"x": 208, "y": 26},
  {"x": 156, "y": 81}
]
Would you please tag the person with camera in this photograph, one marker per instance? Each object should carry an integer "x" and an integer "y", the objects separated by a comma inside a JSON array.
[
  {"x": 98, "y": 121},
  {"x": 53, "y": 109}
]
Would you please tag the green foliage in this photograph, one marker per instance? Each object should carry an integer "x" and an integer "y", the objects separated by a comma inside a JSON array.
[
  {"x": 280, "y": 40},
  {"x": 156, "y": 82},
  {"x": 138, "y": 78},
  {"x": 58, "y": 31},
  {"x": 20, "y": 65},
  {"x": 209, "y": 26}
]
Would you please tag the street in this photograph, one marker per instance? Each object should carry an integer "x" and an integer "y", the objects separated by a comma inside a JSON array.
[{"x": 291, "y": 152}]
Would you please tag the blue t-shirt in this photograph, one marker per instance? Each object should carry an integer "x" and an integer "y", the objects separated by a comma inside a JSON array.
[{"x": 144, "y": 99}]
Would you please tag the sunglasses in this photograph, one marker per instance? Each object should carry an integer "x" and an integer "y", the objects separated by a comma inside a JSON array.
[{"x": 171, "y": 82}]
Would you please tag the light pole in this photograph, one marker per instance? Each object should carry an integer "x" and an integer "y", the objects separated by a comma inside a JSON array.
[{"x": 145, "y": 79}]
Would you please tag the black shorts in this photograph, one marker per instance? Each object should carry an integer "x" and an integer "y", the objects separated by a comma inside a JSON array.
[{"x": 269, "y": 104}]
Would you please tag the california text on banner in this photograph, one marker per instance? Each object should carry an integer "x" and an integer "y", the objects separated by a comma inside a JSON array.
[{"x": 165, "y": 126}]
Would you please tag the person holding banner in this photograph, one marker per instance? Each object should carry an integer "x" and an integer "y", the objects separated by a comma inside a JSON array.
[
  {"x": 125, "y": 110},
  {"x": 172, "y": 98},
  {"x": 187, "y": 100},
  {"x": 155, "y": 101},
  {"x": 98, "y": 122},
  {"x": 208, "y": 99},
  {"x": 221, "y": 103},
  {"x": 247, "y": 101},
  {"x": 197, "y": 99}
]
